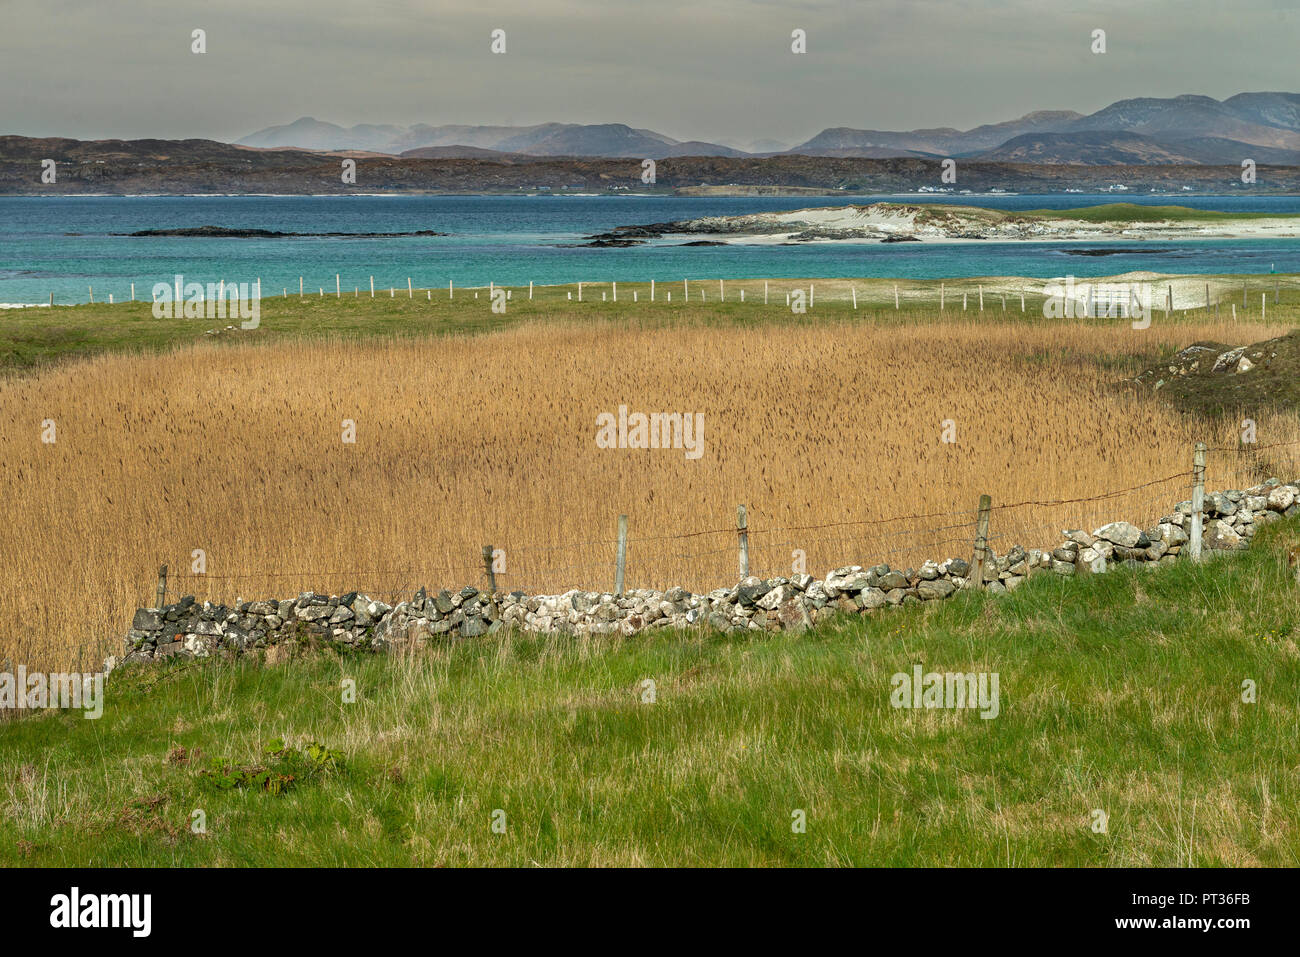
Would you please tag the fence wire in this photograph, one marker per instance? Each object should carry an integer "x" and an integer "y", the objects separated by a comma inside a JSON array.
[{"x": 865, "y": 541}]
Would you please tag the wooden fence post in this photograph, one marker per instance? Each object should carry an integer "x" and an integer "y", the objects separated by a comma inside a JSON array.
[
  {"x": 742, "y": 533},
  {"x": 1198, "y": 502},
  {"x": 622, "y": 556},
  {"x": 487, "y": 568},
  {"x": 981, "y": 542},
  {"x": 162, "y": 585}
]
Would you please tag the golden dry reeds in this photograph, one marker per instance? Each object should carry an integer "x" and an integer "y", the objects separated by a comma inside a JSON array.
[{"x": 824, "y": 431}]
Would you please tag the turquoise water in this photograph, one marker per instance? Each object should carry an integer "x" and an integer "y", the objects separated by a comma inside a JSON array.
[{"x": 511, "y": 240}]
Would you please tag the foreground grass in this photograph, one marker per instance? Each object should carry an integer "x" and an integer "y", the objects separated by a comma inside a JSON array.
[{"x": 1120, "y": 693}]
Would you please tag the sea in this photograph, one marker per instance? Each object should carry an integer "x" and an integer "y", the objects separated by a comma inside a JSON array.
[{"x": 68, "y": 246}]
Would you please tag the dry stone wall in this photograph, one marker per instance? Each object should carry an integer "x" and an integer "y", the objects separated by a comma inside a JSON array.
[{"x": 355, "y": 621}]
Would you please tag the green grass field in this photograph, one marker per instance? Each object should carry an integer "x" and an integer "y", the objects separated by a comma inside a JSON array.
[
  {"x": 1120, "y": 694},
  {"x": 35, "y": 337}
]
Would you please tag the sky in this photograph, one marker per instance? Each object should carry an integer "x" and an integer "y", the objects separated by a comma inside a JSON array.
[{"x": 714, "y": 70}]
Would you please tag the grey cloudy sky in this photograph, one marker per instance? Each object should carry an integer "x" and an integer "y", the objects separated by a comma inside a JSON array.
[{"x": 693, "y": 69}]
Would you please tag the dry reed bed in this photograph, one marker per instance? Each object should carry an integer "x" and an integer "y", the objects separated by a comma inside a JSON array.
[{"x": 238, "y": 451}]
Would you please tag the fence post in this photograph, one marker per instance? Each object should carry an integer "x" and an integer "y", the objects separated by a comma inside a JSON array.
[
  {"x": 162, "y": 585},
  {"x": 742, "y": 533},
  {"x": 1198, "y": 502},
  {"x": 981, "y": 542},
  {"x": 622, "y": 556},
  {"x": 487, "y": 568}
]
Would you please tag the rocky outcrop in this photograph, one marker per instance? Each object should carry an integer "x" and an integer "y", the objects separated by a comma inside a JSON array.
[{"x": 357, "y": 622}]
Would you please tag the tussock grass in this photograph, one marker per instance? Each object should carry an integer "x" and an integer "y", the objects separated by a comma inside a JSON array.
[{"x": 1119, "y": 693}]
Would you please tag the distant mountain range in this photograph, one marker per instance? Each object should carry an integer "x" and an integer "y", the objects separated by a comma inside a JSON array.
[
  {"x": 171, "y": 167},
  {"x": 458, "y": 141},
  {"x": 1180, "y": 130}
]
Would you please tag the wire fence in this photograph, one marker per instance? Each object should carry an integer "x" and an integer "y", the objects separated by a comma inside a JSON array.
[
  {"x": 722, "y": 553},
  {"x": 1097, "y": 298}
]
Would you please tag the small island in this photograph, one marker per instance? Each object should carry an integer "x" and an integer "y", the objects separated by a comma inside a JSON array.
[{"x": 917, "y": 222}]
